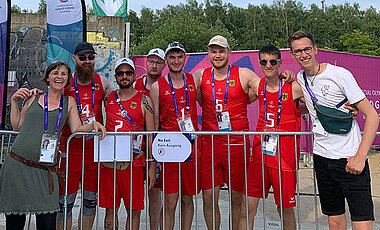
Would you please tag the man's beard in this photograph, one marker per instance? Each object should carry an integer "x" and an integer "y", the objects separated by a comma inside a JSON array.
[
  {"x": 85, "y": 73},
  {"x": 125, "y": 86},
  {"x": 219, "y": 65}
]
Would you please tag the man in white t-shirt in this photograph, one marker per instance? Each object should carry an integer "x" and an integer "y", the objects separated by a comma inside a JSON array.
[{"x": 340, "y": 160}]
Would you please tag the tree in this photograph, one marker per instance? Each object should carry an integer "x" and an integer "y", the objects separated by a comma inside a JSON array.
[
  {"x": 15, "y": 9},
  {"x": 358, "y": 42},
  {"x": 191, "y": 31},
  {"x": 42, "y": 7}
]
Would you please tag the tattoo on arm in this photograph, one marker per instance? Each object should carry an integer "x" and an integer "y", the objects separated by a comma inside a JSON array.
[{"x": 146, "y": 104}]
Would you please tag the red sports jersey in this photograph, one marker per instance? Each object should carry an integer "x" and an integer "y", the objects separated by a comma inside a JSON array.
[
  {"x": 236, "y": 102},
  {"x": 116, "y": 123},
  {"x": 168, "y": 116},
  {"x": 289, "y": 122},
  {"x": 140, "y": 85},
  {"x": 85, "y": 95}
]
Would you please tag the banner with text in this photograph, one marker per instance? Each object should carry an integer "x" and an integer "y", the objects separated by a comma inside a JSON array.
[
  {"x": 65, "y": 29},
  {"x": 366, "y": 70},
  {"x": 171, "y": 147}
]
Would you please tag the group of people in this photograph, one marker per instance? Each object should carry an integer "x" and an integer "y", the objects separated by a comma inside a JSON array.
[{"x": 168, "y": 103}]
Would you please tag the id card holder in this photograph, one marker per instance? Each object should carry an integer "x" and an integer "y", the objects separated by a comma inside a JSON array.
[
  {"x": 185, "y": 124},
  {"x": 88, "y": 120},
  {"x": 223, "y": 119},
  {"x": 49, "y": 144},
  {"x": 270, "y": 144},
  {"x": 137, "y": 143},
  {"x": 318, "y": 128}
]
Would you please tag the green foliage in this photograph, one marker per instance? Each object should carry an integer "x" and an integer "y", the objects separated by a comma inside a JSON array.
[
  {"x": 42, "y": 7},
  {"x": 15, "y": 9},
  {"x": 191, "y": 31},
  {"x": 358, "y": 42}
]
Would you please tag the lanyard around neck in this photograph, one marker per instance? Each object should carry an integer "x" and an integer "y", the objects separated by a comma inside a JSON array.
[
  {"x": 227, "y": 84},
  {"x": 173, "y": 94},
  {"x": 124, "y": 113},
  {"x": 77, "y": 94},
  {"x": 279, "y": 103},
  {"x": 46, "y": 119}
]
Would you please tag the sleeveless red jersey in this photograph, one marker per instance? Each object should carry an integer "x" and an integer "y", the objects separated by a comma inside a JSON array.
[
  {"x": 168, "y": 116},
  {"x": 85, "y": 95},
  {"x": 236, "y": 102},
  {"x": 116, "y": 123},
  {"x": 290, "y": 121},
  {"x": 140, "y": 85}
]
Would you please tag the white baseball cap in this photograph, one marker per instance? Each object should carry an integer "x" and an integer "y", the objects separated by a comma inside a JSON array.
[
  {"x": 219, "y": 41},
  {"x": 175, "y": 45},
  {"x": 124, "y": 61},
  {"x": 158, "y": 52}
]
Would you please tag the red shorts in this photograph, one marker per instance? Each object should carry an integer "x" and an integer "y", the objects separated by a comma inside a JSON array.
[
  {"x": 271, "y": 178},
  {"x": 90, "y": 180},
  {"x": 122, "y": 187},
  {"x": 188, "y": 175},
  {"x": 221, "y": 163}
]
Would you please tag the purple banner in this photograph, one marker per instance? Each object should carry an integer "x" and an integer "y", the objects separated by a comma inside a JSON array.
[{"x": 366, "y": 70}]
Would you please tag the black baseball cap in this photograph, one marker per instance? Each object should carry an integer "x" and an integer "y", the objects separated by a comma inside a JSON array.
[{"x": 83, "y": 48}]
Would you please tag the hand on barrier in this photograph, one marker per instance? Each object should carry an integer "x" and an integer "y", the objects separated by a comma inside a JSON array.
[{"x": 98, "y": 127}]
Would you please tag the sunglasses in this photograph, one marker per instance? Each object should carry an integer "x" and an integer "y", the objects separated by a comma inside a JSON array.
[
  {"x": 83, "y": 58},
  {"x": 121, "y": 73},
  {"x": 177, "y": 44},
  {"x": 307, "y": 50},
  {"x": 272, "y": 62}
]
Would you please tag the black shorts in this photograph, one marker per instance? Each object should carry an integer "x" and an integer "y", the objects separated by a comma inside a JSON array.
[{"x": 335, "y": 185}]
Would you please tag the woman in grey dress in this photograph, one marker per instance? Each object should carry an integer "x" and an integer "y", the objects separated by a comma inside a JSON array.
[{"x": 29, "y": 178}]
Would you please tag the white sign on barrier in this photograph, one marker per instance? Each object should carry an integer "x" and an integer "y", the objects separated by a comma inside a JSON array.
[
  {"x": 107, "y": 147},
  {"x": 171, "y": 147}
]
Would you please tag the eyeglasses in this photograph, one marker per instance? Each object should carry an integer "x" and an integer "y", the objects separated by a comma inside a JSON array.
[
  {"x": 177, "y": 44},
  {"x": 83, "y": 57},
  {"x": 121, "y": 73},
  {"x": 272, "y": 62},
  {"x": 150, "y": 62},
  {"x": 307, "y": 50}
]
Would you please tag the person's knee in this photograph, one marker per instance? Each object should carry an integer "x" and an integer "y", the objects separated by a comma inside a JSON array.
[
  {"x": 337, "y": 222},
  {"x": 136, "y": 214},
  {"x": 207, "y": 197},
  {"x": 171, "y": 202},
  {"x": 236, "y": 197},
  {"x": 70, "y": 204},
  {"x": 187, "y": 200},
  {"x": 89, "y": 203}
]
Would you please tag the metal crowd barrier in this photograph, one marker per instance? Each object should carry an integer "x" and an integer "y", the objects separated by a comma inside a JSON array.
[{"x": 6, "y": 139}]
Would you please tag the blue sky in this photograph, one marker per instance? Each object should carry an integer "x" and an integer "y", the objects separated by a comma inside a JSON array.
[{"x": 136, "y": 5}]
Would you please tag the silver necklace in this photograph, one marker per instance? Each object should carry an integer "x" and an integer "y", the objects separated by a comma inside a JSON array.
[{"x": 312, "y": 80}]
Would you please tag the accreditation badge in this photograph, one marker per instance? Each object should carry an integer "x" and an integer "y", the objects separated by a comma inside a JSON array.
[
  {"x": 185, "y": 124},
  {"x": 49, "y": 144},
  {"x": 270, "y": 144},
  {"x": 223, "y": 119},
  {"x": 137, "y": 143},
  {"x": 90, "y": 118}
]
